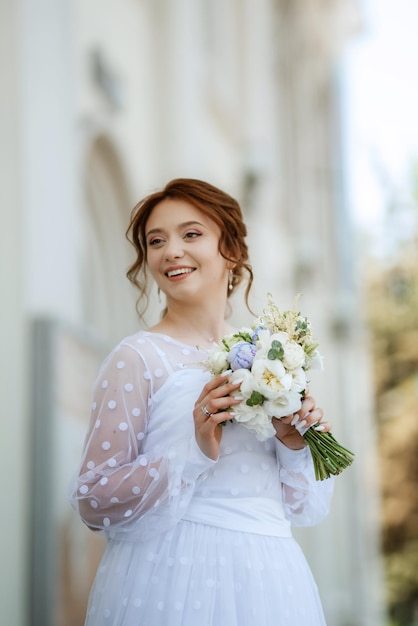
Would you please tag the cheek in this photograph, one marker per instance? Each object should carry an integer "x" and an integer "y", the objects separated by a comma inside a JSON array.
[
  {"x": 152, "y": 263},
  {"x": 218, "y": 270}
]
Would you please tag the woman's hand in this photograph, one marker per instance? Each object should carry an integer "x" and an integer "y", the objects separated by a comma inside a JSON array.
[
  {"x": 210, "y": 410},
  {"x": 308, "y": 415}
]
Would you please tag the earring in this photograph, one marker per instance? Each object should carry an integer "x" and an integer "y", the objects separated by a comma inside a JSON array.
[
  {"x": 230, "y": 280},
  {"x": 159, "y": 295}
]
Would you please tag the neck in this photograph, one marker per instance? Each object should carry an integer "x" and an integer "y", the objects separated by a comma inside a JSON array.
[{"x": 200, "y": 325}]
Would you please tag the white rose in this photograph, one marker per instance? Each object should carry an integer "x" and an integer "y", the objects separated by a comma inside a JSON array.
[
  {"x": 265, "y": 340},
  {"x": 294, "y": 355},
  {"x": 256, "y": 419},
  {"x": 298, "y": 380},
  {"x": 271, "y": 377},
  {"x": 280, "y": 336},
  {"x": 316, "y": 361},
  {"x": 286, "y": 404},
  {"x": 217, "y": 361},
  {"x": 248, "y": 384}
]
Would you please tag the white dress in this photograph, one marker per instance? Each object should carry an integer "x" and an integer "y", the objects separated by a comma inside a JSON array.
[{"x": 191, "y": 541}]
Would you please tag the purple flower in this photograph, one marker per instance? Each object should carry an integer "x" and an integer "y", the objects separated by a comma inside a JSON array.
[{"x": 241, "y": 355}]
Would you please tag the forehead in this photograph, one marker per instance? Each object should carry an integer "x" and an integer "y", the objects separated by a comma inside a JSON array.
[{"x": 172, "y": 212}]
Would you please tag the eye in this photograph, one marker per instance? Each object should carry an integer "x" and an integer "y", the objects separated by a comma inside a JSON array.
[
  {"x": 192, "y": 234},
  {"x": 155, "y": 241}
]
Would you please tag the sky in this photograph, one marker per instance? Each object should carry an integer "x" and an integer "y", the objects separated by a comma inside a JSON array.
[{"x": 381, "y": 91}]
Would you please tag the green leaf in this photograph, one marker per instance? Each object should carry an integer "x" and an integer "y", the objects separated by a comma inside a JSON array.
[
  {"x": 244, "y": 336},
  {"x": 276, "y": 351},
  {"x": 255, "y": 399}
]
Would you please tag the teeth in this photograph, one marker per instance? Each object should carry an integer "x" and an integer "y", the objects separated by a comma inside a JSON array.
[{"x": 183, "y": 270}]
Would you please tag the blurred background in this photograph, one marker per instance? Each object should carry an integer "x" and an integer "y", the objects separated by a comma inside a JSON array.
[{"x": 304, "y": 110}]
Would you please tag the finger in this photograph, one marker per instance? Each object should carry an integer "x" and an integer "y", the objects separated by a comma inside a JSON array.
[
  {"x": 308, "y": 404},
  {"x": 213, "y": 422},
  {"x": 289, "y": 419},
  {"x": 226, "y": 389},
  {"x": 323, "y": 427},
  {"x": 303, "y": 419},
  {"x": 313, "y": 420},
  {"x": 211, "y": 406},
  {"x": 223, "y": 416},
  {"x": 305, "y": 412},
  {"x": 217, "y": 382},
  {"x": 313, "y": 417},
  {"x": 220, "y": 398}
]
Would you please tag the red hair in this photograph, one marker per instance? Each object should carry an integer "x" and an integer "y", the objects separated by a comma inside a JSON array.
[{"x": 220, "y": 207}]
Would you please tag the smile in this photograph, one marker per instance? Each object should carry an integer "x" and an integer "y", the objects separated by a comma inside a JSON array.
[{"x": 178, "y": 272}]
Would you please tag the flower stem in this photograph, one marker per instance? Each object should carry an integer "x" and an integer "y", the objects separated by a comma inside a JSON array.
[{"x": 329, "y": 457}]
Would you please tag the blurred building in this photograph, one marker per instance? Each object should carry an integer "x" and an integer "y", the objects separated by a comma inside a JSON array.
[{"x": 102, "y": 102}]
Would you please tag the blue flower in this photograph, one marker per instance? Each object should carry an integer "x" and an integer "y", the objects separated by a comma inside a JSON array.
[{"x": 241, "y": 355}]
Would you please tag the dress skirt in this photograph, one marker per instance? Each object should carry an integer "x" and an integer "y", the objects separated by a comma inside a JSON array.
[{"x": 203, "y": 575}]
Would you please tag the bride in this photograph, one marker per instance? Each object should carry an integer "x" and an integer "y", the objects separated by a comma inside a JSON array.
[{"x": 197, "y": 515}]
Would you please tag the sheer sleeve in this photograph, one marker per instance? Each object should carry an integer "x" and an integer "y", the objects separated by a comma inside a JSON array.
[
  {"x": 306, "y": 500},
  {"x": 121, "y": 488}
]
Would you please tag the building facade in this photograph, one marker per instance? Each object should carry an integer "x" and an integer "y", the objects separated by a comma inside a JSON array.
[{"x": 104, "y": 102}]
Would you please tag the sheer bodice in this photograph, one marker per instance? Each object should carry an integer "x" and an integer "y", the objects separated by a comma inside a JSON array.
[{"x": 142, "y": 470}]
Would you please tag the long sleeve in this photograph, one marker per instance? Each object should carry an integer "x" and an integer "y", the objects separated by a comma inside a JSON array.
[
  {"x": 124, "y": 486},
  {"x": 306, "y": 500}
]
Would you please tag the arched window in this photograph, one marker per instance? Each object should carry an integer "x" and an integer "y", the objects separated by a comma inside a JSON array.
[{"x": 108, "y": 298}]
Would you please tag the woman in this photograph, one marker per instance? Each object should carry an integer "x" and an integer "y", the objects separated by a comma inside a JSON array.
[{"x": 197, "y": 514}]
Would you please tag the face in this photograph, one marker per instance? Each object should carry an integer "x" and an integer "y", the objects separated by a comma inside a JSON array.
[{"x": 183, "y": 252}]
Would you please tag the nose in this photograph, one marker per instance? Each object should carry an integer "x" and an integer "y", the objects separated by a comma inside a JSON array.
[{"x": 174, "y": 249}]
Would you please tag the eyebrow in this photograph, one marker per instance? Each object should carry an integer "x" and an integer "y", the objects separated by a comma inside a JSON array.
[{"x": 180, "y": 226}]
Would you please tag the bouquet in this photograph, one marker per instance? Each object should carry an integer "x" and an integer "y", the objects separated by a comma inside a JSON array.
[{"x": 271, "y": 359}]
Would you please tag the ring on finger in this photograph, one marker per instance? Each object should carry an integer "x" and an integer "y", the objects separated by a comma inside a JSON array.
[{"x": 205, "y": 411}]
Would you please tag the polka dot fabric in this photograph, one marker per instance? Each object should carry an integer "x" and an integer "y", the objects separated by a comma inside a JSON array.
[
  {"x": 200, "y": 575},
  {"x": 190, "y": 540},
  {"x": 133, "y": 462}
]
